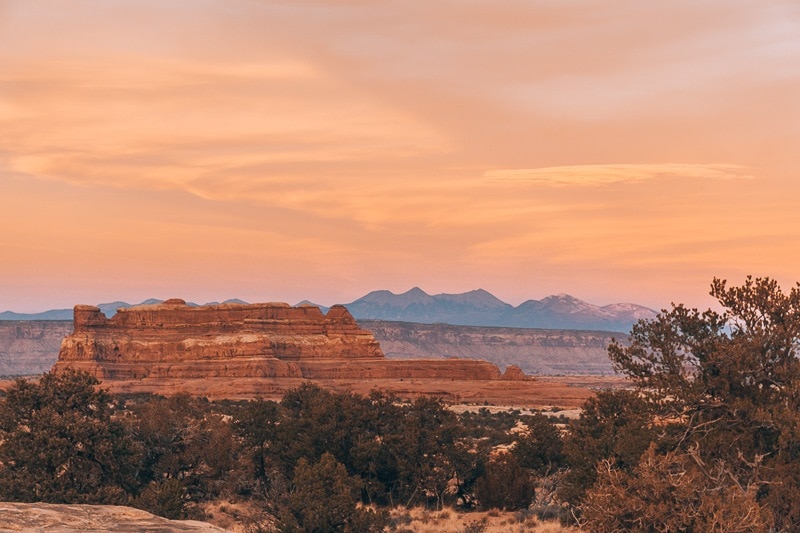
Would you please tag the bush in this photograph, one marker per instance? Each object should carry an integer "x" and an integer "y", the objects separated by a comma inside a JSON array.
[
  {"x": 672, "y": 492},
  {"x": 540, "y": 449},
  {"x": 60, "y": 444},
  {"x": 165, "y": 498},
  {"x": 505, "y": 484},
  {"x": 323, "y": 499},
  {"x": 614, "y": 426}
]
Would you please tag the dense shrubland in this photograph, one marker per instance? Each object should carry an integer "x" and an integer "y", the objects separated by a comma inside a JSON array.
[
  {"x": 706, "y": 439},
  {"x": 316, "y": 461}
]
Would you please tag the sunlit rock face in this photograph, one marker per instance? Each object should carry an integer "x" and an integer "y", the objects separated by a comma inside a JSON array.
[
  {"x": 269, "y": 340},
  {"x": 75, "y": 518}
]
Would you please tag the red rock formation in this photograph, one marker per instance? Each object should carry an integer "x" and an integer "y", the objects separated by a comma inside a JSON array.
[
  {"x": 272, "y": 340},
  {"x": 513, "y": 373}
]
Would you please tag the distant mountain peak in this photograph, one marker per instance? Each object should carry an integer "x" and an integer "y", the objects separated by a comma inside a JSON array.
[
  {"x": 481, "y": 292},
  {"x": 478, "y": 298},
  {"x": 415, "y": 291},
  {"x": 479, "y": 307},
  {"x": 384, "y": 298},
  {"x": 563, "y": 296},
  {"x": 478, "y": 293},
  {"x": 304, "y": 303}
]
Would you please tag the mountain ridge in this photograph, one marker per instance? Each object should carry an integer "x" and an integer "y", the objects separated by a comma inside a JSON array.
[
  {"x": 473, "y": 308},
  {"x": 481, "y": 308}
]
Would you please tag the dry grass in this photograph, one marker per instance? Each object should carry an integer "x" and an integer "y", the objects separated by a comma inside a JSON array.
[
  {"x": 418, "y": 520},
  {"x": 241, "y": 517},
  {"x": 237, "y": 517},
  {"x": 554, "y": 393}
]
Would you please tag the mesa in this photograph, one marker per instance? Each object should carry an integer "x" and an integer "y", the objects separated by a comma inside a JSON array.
[{"x": 241, "y": 351}]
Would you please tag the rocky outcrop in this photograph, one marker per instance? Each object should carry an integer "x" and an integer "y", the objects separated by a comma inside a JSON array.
[
  {"x": 172, "y": 340},
  {"x": 69, "y": 518},
  {"x": 513, "y": 373}
]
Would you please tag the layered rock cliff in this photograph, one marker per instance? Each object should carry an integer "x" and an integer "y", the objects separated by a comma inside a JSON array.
[
  {"x": 29, "y": 347},
  {"x": 535, "y": 351},
  {"x": 272, "y": 340}
]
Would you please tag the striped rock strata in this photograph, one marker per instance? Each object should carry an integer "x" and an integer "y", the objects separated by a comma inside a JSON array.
[{"x": 270, "y": 340}]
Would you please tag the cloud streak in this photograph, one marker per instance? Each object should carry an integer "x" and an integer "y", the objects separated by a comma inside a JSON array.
[{"x": 597, "y": 175}]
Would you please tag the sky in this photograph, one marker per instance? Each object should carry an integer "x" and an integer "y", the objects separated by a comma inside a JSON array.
[{"x": 618, "y": 151}]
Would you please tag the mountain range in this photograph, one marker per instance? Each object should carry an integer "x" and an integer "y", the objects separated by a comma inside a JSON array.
[
  {"x": 473, "y": 308},
  {"x": 481, "y": 308},
  {"x": 109, "y": 309}
]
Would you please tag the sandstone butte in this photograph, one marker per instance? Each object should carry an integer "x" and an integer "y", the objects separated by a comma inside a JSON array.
[{"x": 265, "y": 348}]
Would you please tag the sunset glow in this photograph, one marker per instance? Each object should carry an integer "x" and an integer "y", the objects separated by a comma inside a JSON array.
[{"x": 281, "y": 151}]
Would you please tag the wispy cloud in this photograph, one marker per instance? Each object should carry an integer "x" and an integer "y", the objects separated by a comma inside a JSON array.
[
  {"x": 401, "y": 143},
  {"x": 156, "y": 124},
  {"x": 596, "y": 175}
]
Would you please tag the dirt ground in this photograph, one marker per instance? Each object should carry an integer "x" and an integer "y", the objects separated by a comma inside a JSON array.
[
  {"x": 544, "y": 392},
  {"x": 420, "y": 520}
]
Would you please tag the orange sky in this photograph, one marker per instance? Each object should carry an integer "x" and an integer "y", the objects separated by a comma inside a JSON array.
[{"x": 276, "y": 151}]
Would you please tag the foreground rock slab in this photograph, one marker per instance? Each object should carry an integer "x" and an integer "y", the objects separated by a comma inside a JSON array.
[{"x": 65, "y": 517}]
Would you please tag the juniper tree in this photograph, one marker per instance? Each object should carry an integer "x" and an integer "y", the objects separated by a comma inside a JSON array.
[
  {"x": 723, "y": 388},
  {"x": 59, "y": 442}
]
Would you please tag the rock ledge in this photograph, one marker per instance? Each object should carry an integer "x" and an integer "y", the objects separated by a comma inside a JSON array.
[{"x": 93, "y": 518}]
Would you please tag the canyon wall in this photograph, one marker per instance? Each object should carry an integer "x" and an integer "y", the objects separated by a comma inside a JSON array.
[
  {"x": 535, "y": 351},
  {"x": 29, "y": 347}
]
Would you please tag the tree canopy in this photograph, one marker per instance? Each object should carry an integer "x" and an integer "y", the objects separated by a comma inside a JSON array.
[
  {"x": 59, "y": 443},
  {"x": 721, "y": 391}
]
